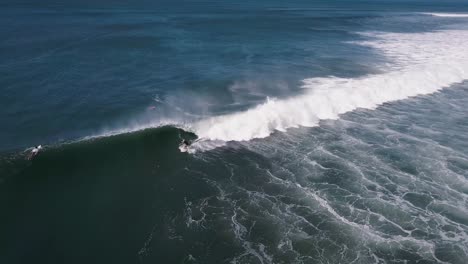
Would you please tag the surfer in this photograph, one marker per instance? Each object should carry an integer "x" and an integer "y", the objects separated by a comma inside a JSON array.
[
  {"x": 185, "y": 143},
  {"x": 34, "y": 151}
]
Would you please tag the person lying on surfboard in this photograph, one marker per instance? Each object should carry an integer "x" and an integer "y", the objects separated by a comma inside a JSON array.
[{"x": 34, "y": 152}]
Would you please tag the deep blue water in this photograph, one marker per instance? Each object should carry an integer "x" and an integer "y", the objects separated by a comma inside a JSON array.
[{"x": 331, "y": 132}]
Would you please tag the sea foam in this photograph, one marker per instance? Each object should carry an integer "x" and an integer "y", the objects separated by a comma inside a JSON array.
[
  {"x": 447, "y": 14},
  {"x": 423, "y": 63}
]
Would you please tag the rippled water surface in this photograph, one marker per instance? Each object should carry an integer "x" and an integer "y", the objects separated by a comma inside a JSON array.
[{"x": 328, "y": 132}]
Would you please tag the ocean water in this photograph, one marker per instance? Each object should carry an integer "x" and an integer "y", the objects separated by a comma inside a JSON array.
[{"x": 327, "y": 132}]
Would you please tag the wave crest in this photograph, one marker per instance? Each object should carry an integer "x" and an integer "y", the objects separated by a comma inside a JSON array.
[{"x": 423, "y": 63}]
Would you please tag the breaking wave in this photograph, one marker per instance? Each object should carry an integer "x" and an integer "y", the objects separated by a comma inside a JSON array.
[
  {"x": 447, "y": 14},
  {"x": 422, "y": 63}
]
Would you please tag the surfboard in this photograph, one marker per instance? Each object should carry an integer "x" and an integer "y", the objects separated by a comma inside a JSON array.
[{"x": 183, "y": 148}]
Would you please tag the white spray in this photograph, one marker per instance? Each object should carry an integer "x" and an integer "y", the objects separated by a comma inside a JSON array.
[{"x": 424, "y": 64}]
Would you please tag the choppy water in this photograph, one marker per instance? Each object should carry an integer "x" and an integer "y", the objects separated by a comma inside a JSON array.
[{"x": 330, "y": 132}]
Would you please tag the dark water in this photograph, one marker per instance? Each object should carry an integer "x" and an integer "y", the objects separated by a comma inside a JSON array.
[{"x": 111, "y": 90}]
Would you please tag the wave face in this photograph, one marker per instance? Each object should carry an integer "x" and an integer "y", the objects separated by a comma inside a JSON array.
[
  {"x": 422, "y": 63},
  {"x": 388, "y": 185}
]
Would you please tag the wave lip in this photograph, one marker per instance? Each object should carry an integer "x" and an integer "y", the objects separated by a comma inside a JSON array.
[{"x": 423, "y": 63}]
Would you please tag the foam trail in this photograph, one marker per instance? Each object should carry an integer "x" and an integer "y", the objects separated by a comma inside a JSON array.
[
  {"x": 447, "y": 14},
  {"x": 423, "y": 63}
]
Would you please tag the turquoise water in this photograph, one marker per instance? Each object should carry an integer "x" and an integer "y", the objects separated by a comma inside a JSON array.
[{"x": 330, "y": 132}]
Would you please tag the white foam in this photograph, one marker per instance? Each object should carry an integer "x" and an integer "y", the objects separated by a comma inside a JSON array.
[
  {"x": 447, "y": 14},
  {"x": 423, "y": 63}
]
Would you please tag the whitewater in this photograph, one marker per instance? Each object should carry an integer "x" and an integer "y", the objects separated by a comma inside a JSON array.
[
  {"x": 381, "y": 177},
  {"x": 418, "y": 64}
]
